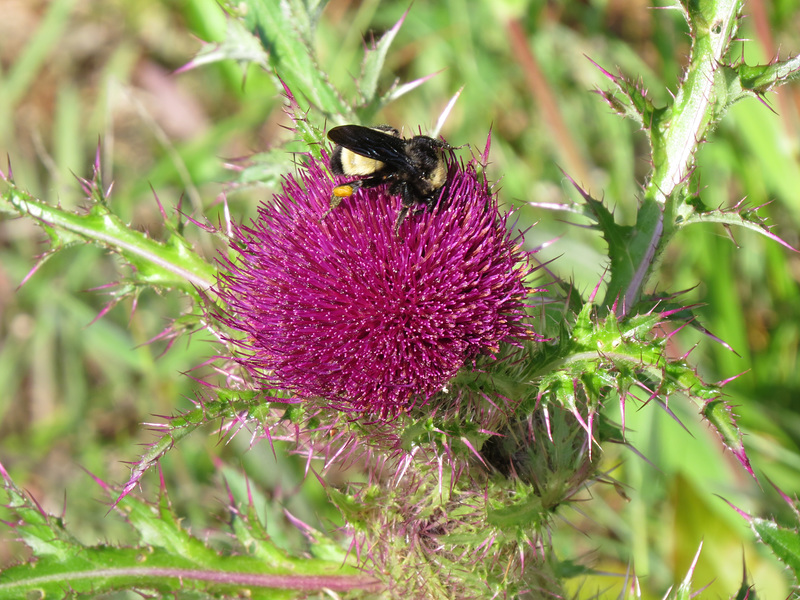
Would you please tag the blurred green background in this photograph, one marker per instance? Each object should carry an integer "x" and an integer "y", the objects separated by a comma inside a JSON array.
[{"x": 75, "y": 391}]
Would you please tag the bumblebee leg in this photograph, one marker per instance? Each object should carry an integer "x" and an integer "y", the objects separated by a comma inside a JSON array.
[
  {"x": 401, "y": 216},
  {"x": 342, "y": 191},
  {"x": 407, "y": 200}
]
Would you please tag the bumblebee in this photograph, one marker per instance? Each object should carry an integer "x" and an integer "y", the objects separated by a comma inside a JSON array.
[{"x": 414, "y": 168}]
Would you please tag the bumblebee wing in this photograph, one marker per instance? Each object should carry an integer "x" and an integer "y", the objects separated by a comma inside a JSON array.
[{"x": 372, "y": 143}]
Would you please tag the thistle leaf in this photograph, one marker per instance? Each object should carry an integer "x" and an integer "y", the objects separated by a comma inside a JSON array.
[
  {"x": 784, "y": 542},
  {"x": 168, "y": 560},
  {"x": 286, "y": 30},
  {"x": 721, "y": 417},
  {"x": 239, "y": 45},
  {"x": 172, "y": 264},
  {"x": 746, "y": 81},
  {"x": 739, "y": 215},
  {"x": 374, "y": 60},
  {"x": 235, "y": 405},
  {"x": 633, "y": 101}
]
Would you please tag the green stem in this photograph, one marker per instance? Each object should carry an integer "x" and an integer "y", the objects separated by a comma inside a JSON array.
[
  {"x": 169, "y": 265},
  {"x": 675, "y": 138}
]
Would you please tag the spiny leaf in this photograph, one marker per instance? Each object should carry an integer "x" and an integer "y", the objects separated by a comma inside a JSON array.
[
  {"x": 684, "y": 590},
  {"x": 167, "y": 265},
  {"x": 239, "y": 45},
  {"x": 374, "y": 60},
  {"x": 228, "y": 404},
  {"x": 784, "y": 543},
  {"x": 286, "y": 31},
  {"x": 525, "y": 511},
  {"x": 738, "y": 215},
  {"x": 601, "y": 356},
  {"x": 634, "y": 102},
  {"x": 624, "y": 243},
  {"x": 169, "y": 561},
  {"x": 748, "y": 81},
  {"x": 746, "y": 591},
  {"x": 720, "y": 415}
]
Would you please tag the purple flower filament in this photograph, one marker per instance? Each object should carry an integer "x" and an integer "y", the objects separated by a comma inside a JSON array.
[{"x": 367, "y": 318}]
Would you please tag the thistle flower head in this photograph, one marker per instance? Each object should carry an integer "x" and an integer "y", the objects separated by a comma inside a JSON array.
[{"x": 364, "y": 316}]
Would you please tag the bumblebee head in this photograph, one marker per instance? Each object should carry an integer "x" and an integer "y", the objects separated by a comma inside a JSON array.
[{"x": 425, "y": 155}]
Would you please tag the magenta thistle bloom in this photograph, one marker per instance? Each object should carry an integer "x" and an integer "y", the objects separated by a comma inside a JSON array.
[{"x": 367, "y": 318}]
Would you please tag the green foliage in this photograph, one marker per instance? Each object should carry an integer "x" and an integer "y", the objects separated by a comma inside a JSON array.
[
  {"x": 162, "y": 265},
  {"x": 167, "y": 560},
  {"x": 709, "y": 87},
  {"x": 785, "y": 543},
  {"x": 286, "y": 32}
]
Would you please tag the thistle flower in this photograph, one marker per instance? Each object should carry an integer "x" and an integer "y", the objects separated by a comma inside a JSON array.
[{"x": 368, "y": 318}]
